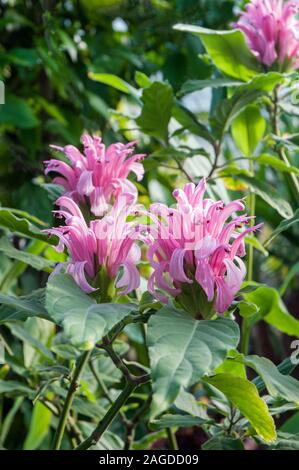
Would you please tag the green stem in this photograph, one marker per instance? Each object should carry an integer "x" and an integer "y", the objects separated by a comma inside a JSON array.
[
  {"x": 246, "y": 323},
  {"x": 69, "y": 399},
  {"x": 108, "y": 418},
  {"x": 173, "y": 445}
]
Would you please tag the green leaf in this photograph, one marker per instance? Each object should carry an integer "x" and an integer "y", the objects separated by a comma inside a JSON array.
[
  {"x": 228, "y": 50},
  {"x": 229, "y": 109},
  {"x": 283, "y": 226},
  {"x": 14, "y": 388},
  {"x": 189, "y": 121},
  {"x": 247, "y": 309},
  {"x": 248, "y": 129},
  {"x": 180, "y": 421},
  {"x": 39, "y": 426},
  {"x": 278, "y": 385},
  {"x": 288, "y": 278},
  {"x": 272, "y": 310},
  {"x": 17, "y": 112},
  {"x": 244, "y": 396},
  {"x": 195, "y": 85},
  {"x": 84, "y": 321},
  {"x": 287, "y": 441},
  {"x": 268, "y": 194},
  {"x": 142, "y": 80},
  {"x": 23, "y": 57},
  {"x": 223, "y": 443},
  {"x": 20, "y": 308},
  {"x": 22, "y": 225},
  {"x": 274, "y": 162},
  {"x": 182, "y": 350},
  {"x": 112, "y": 80},
  {"x": 156, "y": 112},
  {"x": 37, "y": 262},
  {"x": 253, "y": 241}
]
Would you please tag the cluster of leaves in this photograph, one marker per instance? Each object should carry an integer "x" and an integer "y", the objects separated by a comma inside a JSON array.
[{"x": 199, "y": 104}]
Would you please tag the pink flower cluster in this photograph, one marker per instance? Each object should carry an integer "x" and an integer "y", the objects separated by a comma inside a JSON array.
[
  {"x": 108, "y": 242},
  {"x": 194, "y": 243},
  {"x": 271, "y": 29},
  {"x": 98, "y": 175}
]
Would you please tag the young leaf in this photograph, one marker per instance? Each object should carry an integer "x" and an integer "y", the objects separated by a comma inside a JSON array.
[
  {"x": 156, "y": 112},
  {"x": 39, "y": 426},
  {"x": 182, "y": 350},
  {"x": 278, "y": 385},
  {"x": 112, "y": 80},
  {"x": 228, "y": 50},
  {"x": 248, "y": 129},
  {"x": 272, "y": 310},
  {"x": 244, "y": 396},
  {"x": 284, "y": 225}
]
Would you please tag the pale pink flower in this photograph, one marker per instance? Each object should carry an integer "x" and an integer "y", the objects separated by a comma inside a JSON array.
[
  {"x": 194, "y": 242},
  {"x": 99, "y": 174},
  {"x": 271, "y": 29},
  {"x": 108, "y": 243}
]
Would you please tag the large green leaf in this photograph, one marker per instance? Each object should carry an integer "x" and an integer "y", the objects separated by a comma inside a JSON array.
[
  {"x": 20, "y": 308},
  {"x": 17, "y": 112},
  {"x": 273, "y": 310},
  {"x": 268, "y": 194},
  {"x": 84, "y": 321},
  {"x": 283, "y": 226},
  {"x": 156, "y": 111},
  {"x": 248, "y": 129},
  {"x": 278, "y": 385},
  {"x": 31, "y": 259},
  {"x": 182, "y": 350},
  {"x": 228, "y": 50},
  {"x": 244, "y": 396}
]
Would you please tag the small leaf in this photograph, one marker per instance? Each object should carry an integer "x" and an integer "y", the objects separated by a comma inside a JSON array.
[
  {"x": 278, "y": 385},
  {"x": 283, "y": 226},
  {"x": 156, "y": 112},
  {"x": 39, "y": 426},
  {"x": 244, "y": 396},
  {"x": 180, "y": 421},
  {"x": 248, "y": 129},
  {"x": 223, "y": 443},
  {"x": 112, "y": 80},
  {"x": 195, "y": 85}
]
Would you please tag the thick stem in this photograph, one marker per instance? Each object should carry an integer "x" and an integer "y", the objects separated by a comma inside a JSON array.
[
  {"x": 108, "y": 418},
  {"x": 69, "y": 399}
]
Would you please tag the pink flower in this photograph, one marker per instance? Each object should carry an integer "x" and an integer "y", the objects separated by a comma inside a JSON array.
[
  {"x": 108, "y": 243},
  {"x": 99, "y": 174},
  {"x": 194, "y": 243},
  {"x": 271, "y": 29}
]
